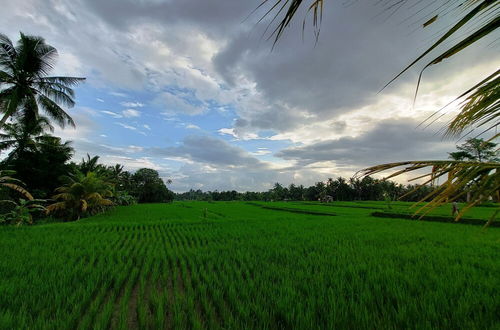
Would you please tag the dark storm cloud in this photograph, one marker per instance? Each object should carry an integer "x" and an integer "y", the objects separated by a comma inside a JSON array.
[
  {"x": 358, "y": 52},
  {"x": 388, "y": 141},
  {"x": 210, "y": 150}
]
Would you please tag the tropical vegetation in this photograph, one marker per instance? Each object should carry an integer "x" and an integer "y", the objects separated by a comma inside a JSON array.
[{"x": 67, "y": 189}]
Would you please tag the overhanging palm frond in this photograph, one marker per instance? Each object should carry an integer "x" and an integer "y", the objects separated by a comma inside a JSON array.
[
  {"x": 483, "y": 7},
  {"x": 480, "y": 180},
  {"x": 480, "y": 108},
  {"x": 315, "y": 6}
]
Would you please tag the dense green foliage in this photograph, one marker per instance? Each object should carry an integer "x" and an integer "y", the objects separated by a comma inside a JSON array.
[
  {"x": 42, "y": 165},
  {"x": 21, "y": 212},
  {"x": 190, "y": 265},
  {"x": 83, "y": 194},
  {"x": 339, "y": 189},
  {"x": 148, "y": 187},
  {"x": 475, "y": 149}
]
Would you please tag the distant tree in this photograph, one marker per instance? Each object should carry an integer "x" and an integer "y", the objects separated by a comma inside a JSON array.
[
  {"x": 339, "y": 189},
  {"x": 296, "y": 193},
  {"x": 316, "y": 192},
  {"x": 148, "y": 187},
  {"x": 25, "y": 85},
  {"x": 476, "y": 150}
]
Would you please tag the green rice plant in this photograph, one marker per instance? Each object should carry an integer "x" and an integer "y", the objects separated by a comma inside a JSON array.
[{"x": 159, "y": 266}]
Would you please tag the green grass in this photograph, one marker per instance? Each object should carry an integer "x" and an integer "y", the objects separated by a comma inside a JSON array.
[{"x": 244, "y": 266}]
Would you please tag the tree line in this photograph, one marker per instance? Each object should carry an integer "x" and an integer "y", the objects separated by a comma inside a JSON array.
[
  {"x": 352, "y": 189},
  {"x": 339, "y": 189}
]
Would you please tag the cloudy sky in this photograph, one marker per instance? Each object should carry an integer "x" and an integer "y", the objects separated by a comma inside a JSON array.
[{"x": 192, "y": 89}]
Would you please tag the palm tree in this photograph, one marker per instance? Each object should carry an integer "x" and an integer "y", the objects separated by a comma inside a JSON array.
[
  {"x": 91, "y": 164},
  {"x": 23, "y": 136},
  {"x": 480, "y": 107},
  {"x": 25, "y": 86},
  {"x": 83, "y": 194}
]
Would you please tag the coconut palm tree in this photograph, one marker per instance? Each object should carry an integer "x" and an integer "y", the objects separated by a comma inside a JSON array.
[
  {"x": 91, "y": 164},
  {"x": 480, "y": 107},
  {"x": 23, "y": 136},
  {"x": 25, "y": 86},
  {"x": 83, "y": 194}
]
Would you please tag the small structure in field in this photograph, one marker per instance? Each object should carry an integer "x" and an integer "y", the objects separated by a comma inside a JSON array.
[{"x": 326, "y": 199}]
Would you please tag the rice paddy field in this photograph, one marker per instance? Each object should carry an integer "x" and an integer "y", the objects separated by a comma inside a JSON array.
[{"x": 237, "y": 265}]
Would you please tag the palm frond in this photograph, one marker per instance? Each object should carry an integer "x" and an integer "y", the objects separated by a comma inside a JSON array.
[
  {"x": 7, "y": 52},
  {"x": 57, "y": 95},
  {"x": 59, "y": 206},
  {"x": 480, "y": 107},
  {"x": 5, "y": 77},
  {"x": 316, "y": 7},
  {"x": 484, "y": 5},
  {"x": 66, "y": 81},
  {"x": 481, "y": 180},
  {"x": 18, "y": 188},
  {"x": 55, "y": 111}
]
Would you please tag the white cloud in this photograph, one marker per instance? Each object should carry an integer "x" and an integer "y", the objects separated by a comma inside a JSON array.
[
  {"x": 261, "y": 152},
  {"x": 146, "y": 127},
  {"x": 241, "y": 136},
  {"x": 119, "y": 94},
  {"x": 227, "y": 131},
  {"x": 132, "y": 128},
  {"x": 192, "y": 126},
  {"x": 132, "y": 104},
  {"x": 130, "y": 113},
  {"x": 112, "y": 114},
  {"x": 132, "y": 164}
]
